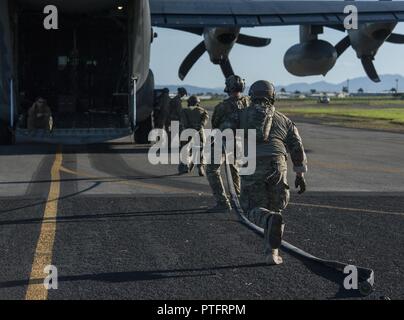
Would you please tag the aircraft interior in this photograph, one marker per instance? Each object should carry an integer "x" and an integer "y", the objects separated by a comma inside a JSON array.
[{"x": 81, "y": 68}]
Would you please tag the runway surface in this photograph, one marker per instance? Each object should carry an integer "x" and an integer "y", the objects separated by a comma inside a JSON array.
[{"x": 117, "y": 227}]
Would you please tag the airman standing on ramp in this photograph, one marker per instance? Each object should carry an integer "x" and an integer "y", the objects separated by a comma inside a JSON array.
[{"x": 40, "y": 116}]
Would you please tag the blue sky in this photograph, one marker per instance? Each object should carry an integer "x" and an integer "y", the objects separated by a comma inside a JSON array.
[{"x": 171, "y": 47}]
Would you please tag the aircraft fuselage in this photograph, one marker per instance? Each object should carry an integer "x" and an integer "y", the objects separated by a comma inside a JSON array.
[{"x": 91, "y": 61}]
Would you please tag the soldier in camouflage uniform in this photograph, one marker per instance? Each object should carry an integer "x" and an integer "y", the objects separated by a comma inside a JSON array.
[
  {"x": 226, "y": 116},
  {"x": 163, "y": 110},
  {"x": 40, "y": 116},
  {"x": 266, "y": 193},
  {"x": 176, "y": 106},
  {"x": 174, "y": 111},
  {"x": 195, "y": 117}
]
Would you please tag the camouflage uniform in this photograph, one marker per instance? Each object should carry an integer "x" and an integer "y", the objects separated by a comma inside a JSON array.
[
  {"x": 163, "y": 107},
  {"x": 175, "y": 109},
  {"x": 265, "y": 193},
  {"x": 225, "y": 116},
  {"x": 276, "y": 136},
  {"x": 40, "y": 117},
  {"x": 196, "y": 117}
]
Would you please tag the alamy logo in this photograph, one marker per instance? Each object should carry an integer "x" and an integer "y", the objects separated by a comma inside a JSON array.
[
  {"x": 351, "y": 280},
  {"x": 51, "y": 21},
  {"x": 187, "y": 147},
  {"x": 351, "y": 20},
  {"x": 51, "y": 281}
]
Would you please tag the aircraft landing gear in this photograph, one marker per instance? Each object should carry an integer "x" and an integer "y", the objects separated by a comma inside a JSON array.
[{"x": 142, "y": 131}]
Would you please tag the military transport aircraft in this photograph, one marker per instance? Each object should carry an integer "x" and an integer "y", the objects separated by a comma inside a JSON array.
[{"x": 99, "y": 57}]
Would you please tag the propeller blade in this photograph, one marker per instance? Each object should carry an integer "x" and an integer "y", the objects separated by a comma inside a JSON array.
[
  {"x": 227, "y": 69},
  {"x": 343, "y": 45},
  {"x": 396, "y": 38},
  {"x": 370, "y": 69},
  {"x": 191, "y": 59},
  {"x": 252, "y": 41}
]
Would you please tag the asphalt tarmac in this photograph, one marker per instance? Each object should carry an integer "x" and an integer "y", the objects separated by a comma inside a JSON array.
[{"x": 117, "y": 227}]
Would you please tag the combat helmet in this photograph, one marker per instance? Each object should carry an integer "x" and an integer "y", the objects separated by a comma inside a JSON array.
[
  {"x": 182, "y": 91},
  {"x": 263, "y": 90},
  {"x": 193, "y": 101},
  {"x": 234, "y": 84}
]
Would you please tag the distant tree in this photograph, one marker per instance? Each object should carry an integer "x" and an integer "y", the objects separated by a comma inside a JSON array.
[
  {"x": 313, "y": 91},
  {"x": 393, "y": 90},
  {"x": 283, "y": 90},
  {"x": 345, "y": 89},
  {"x": 297, "y": 92},
  {"x": 361, "y": 91}
]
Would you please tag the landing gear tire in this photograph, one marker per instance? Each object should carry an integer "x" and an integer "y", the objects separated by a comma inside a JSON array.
[
  {"x": 142, "y": 131},
  {"x": 6, "y": 135}
]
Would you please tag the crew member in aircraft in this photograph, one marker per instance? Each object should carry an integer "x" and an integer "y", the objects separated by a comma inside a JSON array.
[{"x": 40, "y": 116}]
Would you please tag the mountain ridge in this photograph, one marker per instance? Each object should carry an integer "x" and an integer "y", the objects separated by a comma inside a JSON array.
[{"x": 388, "y": 81}]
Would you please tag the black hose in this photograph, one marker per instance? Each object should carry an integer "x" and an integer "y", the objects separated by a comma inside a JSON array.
[{"x": 365, "y": 275}]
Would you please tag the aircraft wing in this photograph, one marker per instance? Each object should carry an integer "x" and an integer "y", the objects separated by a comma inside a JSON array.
[{"x": 252, "y": 13}]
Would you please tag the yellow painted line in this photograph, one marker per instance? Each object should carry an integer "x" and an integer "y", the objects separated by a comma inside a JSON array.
[
  {"x": 347, "y": 209},
  {"x": 43, "y": 253},
  {"x": 152, "y": 186}
]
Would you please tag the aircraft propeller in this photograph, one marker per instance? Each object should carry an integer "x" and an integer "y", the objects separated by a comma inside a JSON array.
[
  {"x": 225, "y": 41},
  {"x": 367, "y": 60}
]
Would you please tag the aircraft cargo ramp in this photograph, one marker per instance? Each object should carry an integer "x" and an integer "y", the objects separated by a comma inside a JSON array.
[{"x": 72, "y": 136}]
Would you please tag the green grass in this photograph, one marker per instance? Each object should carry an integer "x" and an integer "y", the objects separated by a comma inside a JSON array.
[
  {"x": 393, "y": 115},
  {"x": 344, "y": 103},
  {"x": 210, "y": 104},
  {"x": 367, "y": 112}
]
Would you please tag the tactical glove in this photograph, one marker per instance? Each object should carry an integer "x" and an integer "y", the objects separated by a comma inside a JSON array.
[{"x": 300, "y": 183}]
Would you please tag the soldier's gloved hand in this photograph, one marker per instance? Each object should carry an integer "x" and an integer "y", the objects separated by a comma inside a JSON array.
[{"x": 300, "y": 183}]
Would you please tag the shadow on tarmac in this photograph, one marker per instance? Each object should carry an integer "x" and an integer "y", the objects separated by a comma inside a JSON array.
[
  {"x": 50, "y": 149},
  {"x": 131, "y": 276},
  {"x": 329, "y": 274},
  {"x": 40, "y": 203},
  {"x": 100, "y": 179},
  {"x": 102, "y": 216}
]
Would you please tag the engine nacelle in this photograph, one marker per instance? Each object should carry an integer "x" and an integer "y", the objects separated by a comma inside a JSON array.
[
  {"x": 219, "y": 42},
  {"x": 368, "y": 38},
  {"x": 315, "y": 57}
]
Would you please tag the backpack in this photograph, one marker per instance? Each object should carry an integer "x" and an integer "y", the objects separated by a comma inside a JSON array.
[{"x": 258, "y": 117}]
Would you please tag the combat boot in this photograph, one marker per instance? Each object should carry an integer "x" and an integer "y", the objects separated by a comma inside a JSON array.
[
  {"x": 274, "y": 258},
  {"x": 183, "y": 168},
  {"x": 273, "y": 238},
  {"x": 201, "y": 171}
]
